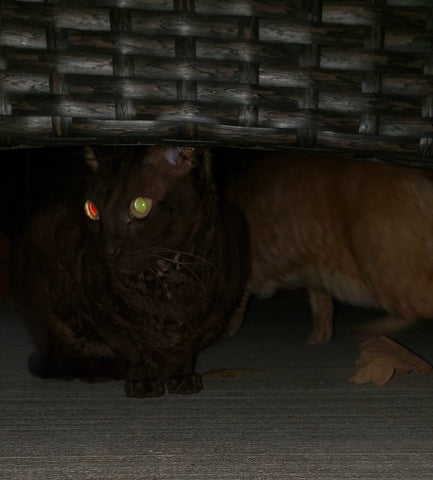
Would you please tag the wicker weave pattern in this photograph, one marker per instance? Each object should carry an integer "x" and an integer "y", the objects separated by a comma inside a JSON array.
[{"x": 341, "y": 74}]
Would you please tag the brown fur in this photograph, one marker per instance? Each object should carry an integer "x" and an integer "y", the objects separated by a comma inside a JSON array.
[{"x": 357, "y": 231}]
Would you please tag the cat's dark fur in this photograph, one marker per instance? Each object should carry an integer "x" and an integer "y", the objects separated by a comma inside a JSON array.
[{"x": 122, "y": 297}]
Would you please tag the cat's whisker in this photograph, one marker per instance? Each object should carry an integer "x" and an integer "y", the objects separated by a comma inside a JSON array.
[
  {"x": 202, "y": 259},
  {"x": 190, "y": 270},
  {"x": 153, "y": 269},
  {"x": 186, "y": 254}
]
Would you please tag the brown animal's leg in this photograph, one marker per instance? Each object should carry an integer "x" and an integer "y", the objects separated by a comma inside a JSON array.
[
  {"x": 143, "y": 380},
  {"x": 237, "y": 317},
  {"x": 186, "y": 380},
  {"x": 323, "y": 317},
  {"x": 185, "y": 384}
]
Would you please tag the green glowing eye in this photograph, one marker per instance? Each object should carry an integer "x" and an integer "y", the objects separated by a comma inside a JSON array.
[
  {"x": 140, "y": 207},
  {"x": 91, "y": 210}
]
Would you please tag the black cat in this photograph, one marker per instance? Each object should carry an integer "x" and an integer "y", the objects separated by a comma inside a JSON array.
[{"x": 135, "y": 279}]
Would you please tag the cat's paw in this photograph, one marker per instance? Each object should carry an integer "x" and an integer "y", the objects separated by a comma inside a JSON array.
[
  {"x": 185, "y": 384},
  {"x": 142, "y": 388}
]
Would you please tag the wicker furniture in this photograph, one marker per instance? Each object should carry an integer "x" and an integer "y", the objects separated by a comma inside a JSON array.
[{"x": 352, "y": 76}]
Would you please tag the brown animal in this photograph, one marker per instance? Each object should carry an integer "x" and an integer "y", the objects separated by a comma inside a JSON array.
[
  {"x": 357, "y": 231},
  {"x": 136, "y": 277}
]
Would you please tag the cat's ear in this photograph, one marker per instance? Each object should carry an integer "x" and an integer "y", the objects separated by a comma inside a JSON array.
[
  {"x": 172, "y": 155},
  {"x": 190, "y": 157},
  {"x": 90, "y": 158},
  {"x": 197, "y": 157},
  {"x": 179, "y": 159}
]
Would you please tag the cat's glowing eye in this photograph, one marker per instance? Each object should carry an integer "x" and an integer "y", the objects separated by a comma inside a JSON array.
[
  {"x": 140, "y": 207},
  {"x": 91, "y": 210}
]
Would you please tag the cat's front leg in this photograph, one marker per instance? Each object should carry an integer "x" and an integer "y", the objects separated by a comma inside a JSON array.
[
  {"x": 185, "y": 384},
  {"x": 322, "y": 307},
  {"x": 186, "y": 381},
  {"x": 143, "y": 380}
]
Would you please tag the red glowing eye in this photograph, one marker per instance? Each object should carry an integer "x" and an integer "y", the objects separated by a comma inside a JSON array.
[{"x": 91, "y": 210}]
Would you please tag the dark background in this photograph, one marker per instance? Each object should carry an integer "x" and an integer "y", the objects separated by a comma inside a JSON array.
[{"x": 31, "y": 178}]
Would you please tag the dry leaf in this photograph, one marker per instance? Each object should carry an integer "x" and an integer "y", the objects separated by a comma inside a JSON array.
[
  {"x": 381, "y": 357},
  {"x": 232, "y": 372}
]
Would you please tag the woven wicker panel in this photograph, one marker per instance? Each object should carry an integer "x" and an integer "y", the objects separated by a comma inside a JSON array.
[{"x": 318, "y": 74}]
